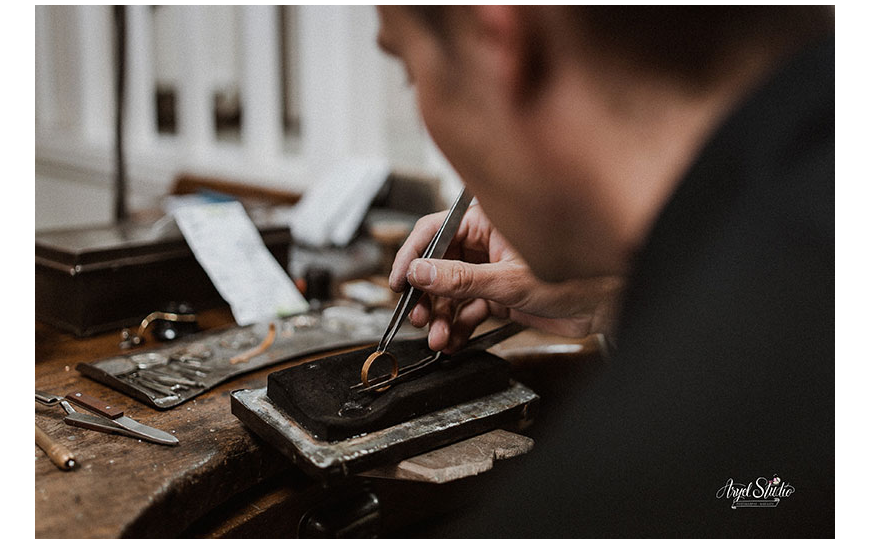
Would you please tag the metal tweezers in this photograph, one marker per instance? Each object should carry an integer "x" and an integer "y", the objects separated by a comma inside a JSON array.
[{"x": 435, "y": 250}]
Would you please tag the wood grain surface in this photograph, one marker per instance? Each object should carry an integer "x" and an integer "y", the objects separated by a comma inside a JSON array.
[
  {"x": 127, "y": 487},
  {"x": 124, "y": 487}
]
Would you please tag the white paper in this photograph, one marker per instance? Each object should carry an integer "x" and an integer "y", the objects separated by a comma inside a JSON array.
[
  {"x": 231, "y": 251},
  {"x": 333, "y": 209}
]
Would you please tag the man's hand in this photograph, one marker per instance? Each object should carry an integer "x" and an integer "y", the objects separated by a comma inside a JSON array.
[{"x": 482, "y": 275}]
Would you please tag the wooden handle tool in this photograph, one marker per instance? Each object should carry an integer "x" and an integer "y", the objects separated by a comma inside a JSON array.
[
  {"x": 57, "y": 452},
  {"x": 96, "y": 405}
]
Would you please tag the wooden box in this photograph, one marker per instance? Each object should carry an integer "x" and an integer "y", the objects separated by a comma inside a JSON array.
[{"x": 95, "y": 279}]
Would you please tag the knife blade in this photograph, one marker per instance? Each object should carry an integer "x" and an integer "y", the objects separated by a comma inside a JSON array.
[{"x": 116, "y": 420}]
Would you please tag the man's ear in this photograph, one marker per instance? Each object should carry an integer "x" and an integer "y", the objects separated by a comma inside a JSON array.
[{"x": 517, "y": 51}]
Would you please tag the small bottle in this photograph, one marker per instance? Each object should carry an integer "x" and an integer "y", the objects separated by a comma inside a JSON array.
[{"x": 318, "y": 285}]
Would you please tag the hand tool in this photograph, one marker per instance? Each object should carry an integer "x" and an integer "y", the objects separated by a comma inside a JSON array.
[
  {"x": 110, "y": 419},
  {"x": 57, "y": 452},
  {"x": 435, "y": 250}
]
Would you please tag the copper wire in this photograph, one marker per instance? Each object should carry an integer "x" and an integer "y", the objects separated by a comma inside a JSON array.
[
  {"x": 364, "y": 374},
  {"x": 167, "y": 316},
  {"x": 264, "y": 345}
]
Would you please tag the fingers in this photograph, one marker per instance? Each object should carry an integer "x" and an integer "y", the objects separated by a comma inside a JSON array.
[
  {"x": 413, "y": 247},
  {"x": 498, "y": 310},
  {"x": 472, "y": 237},
  {"x": 419, "y": 315},
  {"x": 441, "y": 318},
  {"x": 574, "y": 327},
  {"x": 452, "y": 323},
  {"x": 468, "y": 317},
  {"x": 503, "y": 283}
]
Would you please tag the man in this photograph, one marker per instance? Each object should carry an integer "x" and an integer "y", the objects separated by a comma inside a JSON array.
[{"x": 686, "y": 149}]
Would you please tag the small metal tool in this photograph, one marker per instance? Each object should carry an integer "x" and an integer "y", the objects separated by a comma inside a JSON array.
[
  {"x": 109, "y": 420},
  {"x": 435, "y": 250}
]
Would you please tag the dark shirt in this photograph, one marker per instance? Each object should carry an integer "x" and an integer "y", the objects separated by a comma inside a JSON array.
[{"x": 725, "y": 364}]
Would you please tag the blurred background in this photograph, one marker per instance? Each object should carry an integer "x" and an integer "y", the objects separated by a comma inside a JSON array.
[{"x": 271, "y": 96}]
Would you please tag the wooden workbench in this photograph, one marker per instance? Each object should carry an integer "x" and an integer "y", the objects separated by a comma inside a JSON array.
[{"x": 221, "y": 480}]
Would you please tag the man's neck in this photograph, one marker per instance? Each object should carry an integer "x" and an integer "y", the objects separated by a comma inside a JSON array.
[{"x": 631, "y": 145}]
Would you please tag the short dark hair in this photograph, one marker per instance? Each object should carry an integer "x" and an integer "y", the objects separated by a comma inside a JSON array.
[
  {"x": 693, "y": 42},
  {"x": 687, "y": 42}
]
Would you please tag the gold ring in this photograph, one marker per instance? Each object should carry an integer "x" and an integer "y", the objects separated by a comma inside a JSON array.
[{"x": 364, "y": 374}]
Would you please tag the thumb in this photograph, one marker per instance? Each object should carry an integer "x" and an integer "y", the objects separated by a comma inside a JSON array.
[{"x": 498, "y": 282}]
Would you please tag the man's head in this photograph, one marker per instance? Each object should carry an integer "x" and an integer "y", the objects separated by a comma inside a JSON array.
[{"x": 572, "y": 125}]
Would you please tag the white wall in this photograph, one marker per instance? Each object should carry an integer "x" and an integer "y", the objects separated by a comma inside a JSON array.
[{"x": 352, "y": 101}]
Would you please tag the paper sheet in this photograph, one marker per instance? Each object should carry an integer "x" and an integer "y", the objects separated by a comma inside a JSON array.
[
  {"x": 229, "y": 248},
  {"x": 332, "y": 210}
]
